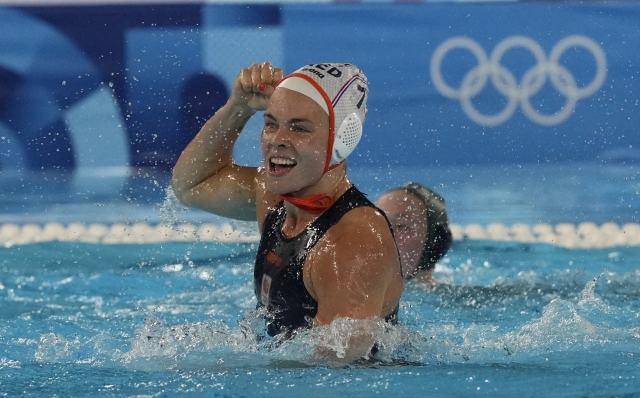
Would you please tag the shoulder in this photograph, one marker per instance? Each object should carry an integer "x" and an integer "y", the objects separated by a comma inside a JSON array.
[
  {"x": 357, "y": 258},
  {"x": 365, "y": 220},
  {"x": 362, "y": 236}
]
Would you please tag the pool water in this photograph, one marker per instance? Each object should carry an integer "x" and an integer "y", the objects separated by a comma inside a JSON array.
[
  {"x": 169, "y": 318},
  {"x": 163, "y": 319}
]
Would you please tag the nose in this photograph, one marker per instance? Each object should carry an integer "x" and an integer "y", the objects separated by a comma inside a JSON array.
[{"x": 278, "y": 137}]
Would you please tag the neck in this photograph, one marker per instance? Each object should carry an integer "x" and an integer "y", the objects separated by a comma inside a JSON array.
[{"x": 334, "y": 183}]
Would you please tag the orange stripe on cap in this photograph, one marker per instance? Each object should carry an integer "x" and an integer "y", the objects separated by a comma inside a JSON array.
[{"x": 332, "y": 120}]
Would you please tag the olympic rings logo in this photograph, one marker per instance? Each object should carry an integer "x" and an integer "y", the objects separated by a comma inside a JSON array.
[{"x": 532, "y": 81}]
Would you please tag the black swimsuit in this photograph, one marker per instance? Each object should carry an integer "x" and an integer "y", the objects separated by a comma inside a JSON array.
[{"x": 278, "y": 281}]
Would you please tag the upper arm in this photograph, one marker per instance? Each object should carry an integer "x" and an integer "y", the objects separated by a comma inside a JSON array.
[
  {"x": 231, "y": 192},
  {"x": 354, "y": 271}
]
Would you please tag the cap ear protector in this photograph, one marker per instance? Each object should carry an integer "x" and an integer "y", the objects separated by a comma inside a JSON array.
[
  {"x": 439, "y": 238},
  {"x": 346, "y": 138},
  {"x": 342, "y": 91}
]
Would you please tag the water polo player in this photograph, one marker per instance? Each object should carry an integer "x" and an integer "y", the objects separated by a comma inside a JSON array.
[
  {"x": 325, "y": 252},
  {"x": 420, "y": 223}
]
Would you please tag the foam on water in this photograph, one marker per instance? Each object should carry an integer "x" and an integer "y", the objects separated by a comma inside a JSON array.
[{"x": 565, "y": 326}]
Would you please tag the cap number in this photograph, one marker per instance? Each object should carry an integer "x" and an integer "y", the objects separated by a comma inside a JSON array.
[{"x": 364, "y": 92}]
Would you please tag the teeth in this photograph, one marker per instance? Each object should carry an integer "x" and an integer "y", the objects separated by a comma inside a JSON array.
[{"x": 283, "y": 161}]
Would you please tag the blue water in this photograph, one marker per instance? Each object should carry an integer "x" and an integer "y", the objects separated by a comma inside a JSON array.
[
  {"x": 120, "y": 320},
  {"x": 509, "y": 319}
]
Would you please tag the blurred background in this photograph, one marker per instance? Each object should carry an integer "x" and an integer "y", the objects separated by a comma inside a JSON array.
[{"x": 514, "y": 111}]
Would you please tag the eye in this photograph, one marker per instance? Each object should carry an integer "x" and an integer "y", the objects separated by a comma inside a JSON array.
[
  {"x": 298, "y": 129},
  {"x": 269, "y": 126}
]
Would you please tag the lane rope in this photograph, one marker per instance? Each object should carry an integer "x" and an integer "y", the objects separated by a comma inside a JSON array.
[{"x": 584, "y": 235}]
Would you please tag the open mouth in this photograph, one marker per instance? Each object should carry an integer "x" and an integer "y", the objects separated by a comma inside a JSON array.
[{"x": 279, "y": 166}]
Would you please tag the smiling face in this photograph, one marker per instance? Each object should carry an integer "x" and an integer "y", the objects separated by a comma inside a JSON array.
[
  {"x": 408, "y": 217},
  {"x": 294, "y": 141}
]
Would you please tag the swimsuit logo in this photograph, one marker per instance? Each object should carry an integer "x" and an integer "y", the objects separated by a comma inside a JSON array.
[
  {"x": 274, "y": 259},
  {"x": 532, "y": 81},
  {"x": 266, "y": 289}
]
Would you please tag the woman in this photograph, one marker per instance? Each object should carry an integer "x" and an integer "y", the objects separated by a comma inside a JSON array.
[
  {"x": 419, "y": 220},
  {"x": 326, "y": 252}
]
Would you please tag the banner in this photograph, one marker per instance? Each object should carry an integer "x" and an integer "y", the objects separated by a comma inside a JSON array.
[
  {"x": 486, "y": 83},
  {"x": 450, "y": 83}
]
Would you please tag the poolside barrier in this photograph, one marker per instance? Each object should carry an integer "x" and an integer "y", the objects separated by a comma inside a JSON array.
[{"x": 584, "y": 235}]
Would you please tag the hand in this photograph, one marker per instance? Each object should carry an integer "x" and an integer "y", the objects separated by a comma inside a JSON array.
[{"x": 254, "y": 85}]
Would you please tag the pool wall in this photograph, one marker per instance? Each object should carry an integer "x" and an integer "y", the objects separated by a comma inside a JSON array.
[{"x": 86, "y": 86}]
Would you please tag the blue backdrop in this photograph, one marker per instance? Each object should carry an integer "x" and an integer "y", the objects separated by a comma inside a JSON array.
[{"x": 450, "y": 83}]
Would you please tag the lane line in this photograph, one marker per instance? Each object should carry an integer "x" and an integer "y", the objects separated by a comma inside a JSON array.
[{"x": 584, "y": 235}]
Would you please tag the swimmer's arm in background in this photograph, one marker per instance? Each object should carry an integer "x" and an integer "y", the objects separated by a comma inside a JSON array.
[
  {"x": 354, "y": 273},
  {"x": 205, "y": 175}
]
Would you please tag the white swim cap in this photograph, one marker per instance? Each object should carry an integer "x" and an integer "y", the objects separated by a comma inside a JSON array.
[{"x": 342, "y": 91}]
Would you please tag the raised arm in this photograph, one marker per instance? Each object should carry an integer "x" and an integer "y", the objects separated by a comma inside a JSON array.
[{"x": 205, "y": 176}]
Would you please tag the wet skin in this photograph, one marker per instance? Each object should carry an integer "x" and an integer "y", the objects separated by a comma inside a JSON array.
[
  {"x": 408, "y": 217},
  {"x": 354, "y": 270}
]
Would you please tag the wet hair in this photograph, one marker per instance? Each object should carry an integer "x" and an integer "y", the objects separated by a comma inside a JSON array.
[{"x": 438, "y": 239}]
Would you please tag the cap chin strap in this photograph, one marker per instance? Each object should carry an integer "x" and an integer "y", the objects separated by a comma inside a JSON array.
[{"x": 313, "y": 204}]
